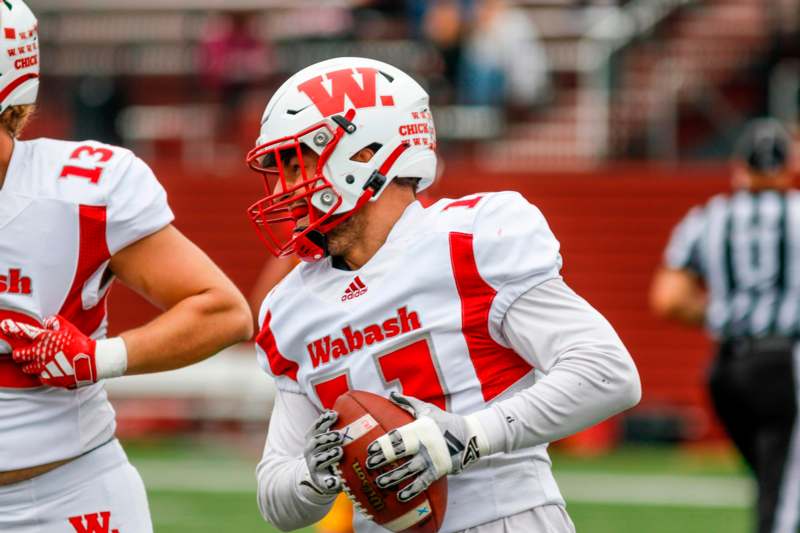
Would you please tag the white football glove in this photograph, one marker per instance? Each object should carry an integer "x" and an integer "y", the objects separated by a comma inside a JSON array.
[
  {"x": 323, "y": 449},
  {"x": 438, "y": 443}
]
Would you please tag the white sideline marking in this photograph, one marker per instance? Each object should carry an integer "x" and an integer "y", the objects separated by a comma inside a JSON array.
[
  {"x": 610, "y": 488},
  {"x": 683, "y": 491}
]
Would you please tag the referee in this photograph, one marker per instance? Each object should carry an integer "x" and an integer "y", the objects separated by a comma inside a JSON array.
[{"x": 733, "y": 265}]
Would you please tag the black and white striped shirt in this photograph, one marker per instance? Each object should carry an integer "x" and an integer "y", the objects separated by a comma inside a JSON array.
[{"x": 746, "y": 247}]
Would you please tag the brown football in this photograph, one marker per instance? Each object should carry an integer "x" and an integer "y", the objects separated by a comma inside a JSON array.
[{"x": 364, "y": 417}]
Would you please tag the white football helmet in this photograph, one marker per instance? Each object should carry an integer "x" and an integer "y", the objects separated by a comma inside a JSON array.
[
  {"x": 19, "y": 56},
  {"x": 336, "y": 108}
]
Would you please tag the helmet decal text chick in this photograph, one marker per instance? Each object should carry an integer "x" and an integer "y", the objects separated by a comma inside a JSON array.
[{"x": 333, "y": 111}]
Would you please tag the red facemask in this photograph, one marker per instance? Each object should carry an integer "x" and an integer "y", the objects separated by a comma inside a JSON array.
[{"x": 275, "y": 216}]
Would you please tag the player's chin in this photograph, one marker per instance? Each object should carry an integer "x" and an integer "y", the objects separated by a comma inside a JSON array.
[
  {"x": 346, "y": 235},
  {"x": 339, "y": 243}
]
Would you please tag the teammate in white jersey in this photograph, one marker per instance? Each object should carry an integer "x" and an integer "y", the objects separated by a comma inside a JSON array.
[
  {"x": 73, "y": 216},
  {"x": 460, "y": 307}
]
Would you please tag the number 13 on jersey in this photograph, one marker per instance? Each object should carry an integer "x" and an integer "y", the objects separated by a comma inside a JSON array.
[{"x": 87, "y": 155}]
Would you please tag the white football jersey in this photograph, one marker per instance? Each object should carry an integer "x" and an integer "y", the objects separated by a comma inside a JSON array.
[
  {"x": 424, "y": 317},
  {"x": 65, "y": 209}
]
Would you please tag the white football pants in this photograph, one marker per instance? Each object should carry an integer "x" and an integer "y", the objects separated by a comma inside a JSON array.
[
  {"x": 100, "y": 492},
  {"x": 543, "y": 519}
]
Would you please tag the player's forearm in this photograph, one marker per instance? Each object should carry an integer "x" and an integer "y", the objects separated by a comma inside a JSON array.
[
  {"x": 577, "y": 393},
  {"x": 192, "y": 330},
  {"x": 285, "y": 498},
  {"x": 279, "y": 499},
  {"x": 589, "y": 374}
]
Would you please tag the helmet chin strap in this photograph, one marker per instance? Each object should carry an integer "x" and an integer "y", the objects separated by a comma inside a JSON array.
[{"x": 312, "y": 246}]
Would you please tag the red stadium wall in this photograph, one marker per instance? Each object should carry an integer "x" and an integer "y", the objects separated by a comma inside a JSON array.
[{"x": 612, "y": 223}]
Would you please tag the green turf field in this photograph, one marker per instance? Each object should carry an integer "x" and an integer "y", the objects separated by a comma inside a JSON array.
[{"x": 203, "y": 488}]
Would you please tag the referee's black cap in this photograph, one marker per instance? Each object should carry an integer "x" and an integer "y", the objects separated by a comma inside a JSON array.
[{"x": 765, "y": 146}]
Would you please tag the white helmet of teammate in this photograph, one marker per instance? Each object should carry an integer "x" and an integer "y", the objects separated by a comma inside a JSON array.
[
  {"x": 19, "y": 55},
  {"x": 336, "y": 108}
]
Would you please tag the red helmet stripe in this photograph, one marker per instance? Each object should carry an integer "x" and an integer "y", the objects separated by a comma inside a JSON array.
[
  {"x": 16, "y": 83},
  {"x": 392, "y": 158}
]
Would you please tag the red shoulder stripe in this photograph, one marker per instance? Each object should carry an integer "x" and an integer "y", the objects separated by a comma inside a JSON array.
[
  {"x": 497, "y": 367},
  {"x": 279, "y": 365},
  {"x": 93, "y": 252}
]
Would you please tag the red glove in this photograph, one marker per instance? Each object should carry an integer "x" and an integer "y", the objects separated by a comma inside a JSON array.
[
  {"x": 9, "y": 343},
  {"x": 60, "y": 354}
]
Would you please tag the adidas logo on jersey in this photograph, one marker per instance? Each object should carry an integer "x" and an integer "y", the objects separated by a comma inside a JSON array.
[
  {"x": 354, "y": 290},
  {"x": 15, "y": 283}
]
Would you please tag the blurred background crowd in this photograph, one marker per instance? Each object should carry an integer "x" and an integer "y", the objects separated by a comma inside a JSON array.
[
  {"x": 533, "y": 83},
  {"x": 613, "y": 116}
]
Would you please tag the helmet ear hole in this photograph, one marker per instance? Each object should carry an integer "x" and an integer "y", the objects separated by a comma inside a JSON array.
[{"x": 365, "y": 155}]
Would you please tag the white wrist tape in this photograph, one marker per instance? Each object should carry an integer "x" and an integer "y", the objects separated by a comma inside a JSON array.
[
  {"x": 111, "y": 358},
  {"x": 425, "y": 432},
  {"x": 476, "y": 429}
]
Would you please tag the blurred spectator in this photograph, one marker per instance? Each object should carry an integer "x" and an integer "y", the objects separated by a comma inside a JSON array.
[
  {"x": 96, "y": 103},
  {"x": 379, "y": 19},
  {"x": 442, "y": 26},
  {"x": 503, "y": 62},
  {"x": 785, "y": 17},
  {"x": 233, "y": 59}
]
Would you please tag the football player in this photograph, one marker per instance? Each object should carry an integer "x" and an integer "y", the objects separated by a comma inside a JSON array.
[
  {"x": 456, "y": 311},
  {"x": 74, "y": 216}
]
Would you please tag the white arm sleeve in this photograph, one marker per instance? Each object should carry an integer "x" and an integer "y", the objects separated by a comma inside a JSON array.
[
  {"x": 589, "y": 374},
  {"x": 282, "y": 466}
]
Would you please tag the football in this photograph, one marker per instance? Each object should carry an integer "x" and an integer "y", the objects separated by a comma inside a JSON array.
[{"x": 364, "y": 417}]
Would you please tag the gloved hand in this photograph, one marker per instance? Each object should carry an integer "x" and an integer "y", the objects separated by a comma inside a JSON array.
[
  {"x": 9, "y": 343},
  {"x": 61, "y": 355},
  {"x": 323, "y": 449},
  {"x": 438, "y": 443}
]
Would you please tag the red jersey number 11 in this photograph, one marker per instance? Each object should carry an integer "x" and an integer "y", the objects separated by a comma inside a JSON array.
[{"x": 414, "y": 366}]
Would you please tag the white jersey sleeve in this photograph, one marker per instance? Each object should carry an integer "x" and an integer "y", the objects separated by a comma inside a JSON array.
[
  {"x": 137, "y": 203},
  {"x": 589, "y": 374},
  {"x": 282, "y": 467},
  {"x": 515, "y": 250}
]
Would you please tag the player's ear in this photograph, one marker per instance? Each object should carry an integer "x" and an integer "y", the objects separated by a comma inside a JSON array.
[{"x": 366, "y": 154}]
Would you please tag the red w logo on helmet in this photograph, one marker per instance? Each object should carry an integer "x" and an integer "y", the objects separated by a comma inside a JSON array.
[{"x": 343, "y": 84}]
